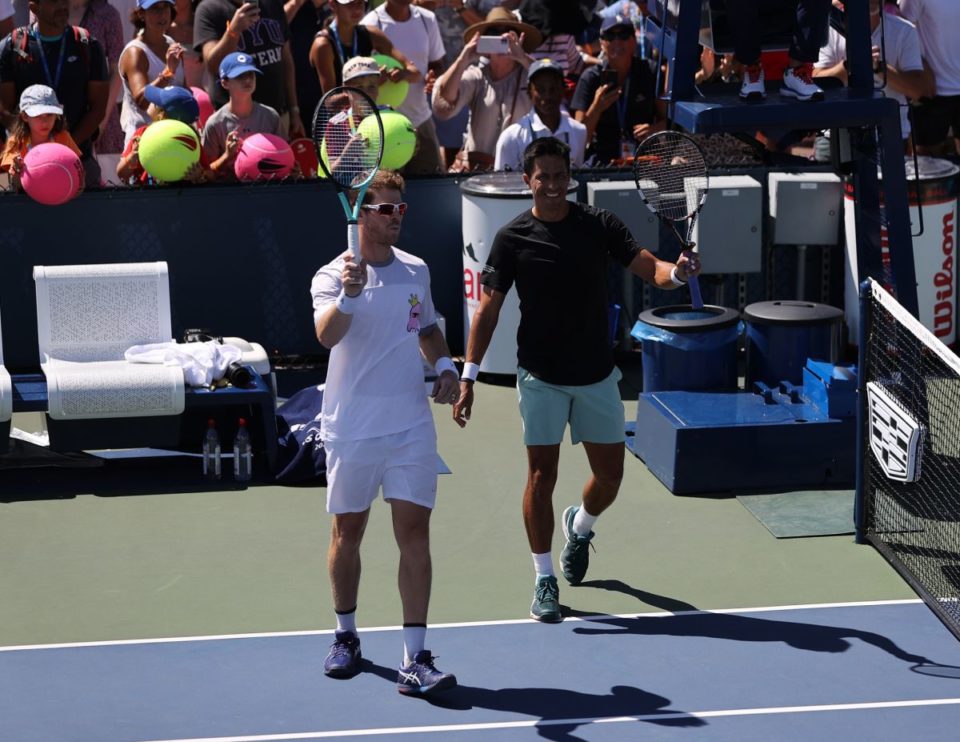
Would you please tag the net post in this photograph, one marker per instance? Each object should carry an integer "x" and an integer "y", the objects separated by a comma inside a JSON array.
[{"x": 863, "y": 418}]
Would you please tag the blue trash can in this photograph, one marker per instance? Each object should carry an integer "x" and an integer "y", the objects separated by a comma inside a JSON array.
[
  {"x": 781, "y": 335},
  {"x": 685, "y": 349}
]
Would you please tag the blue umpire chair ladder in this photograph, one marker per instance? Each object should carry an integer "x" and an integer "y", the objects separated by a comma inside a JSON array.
[{"x": 871, "y": 121}]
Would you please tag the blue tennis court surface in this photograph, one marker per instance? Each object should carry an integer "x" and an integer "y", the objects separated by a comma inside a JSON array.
[{"x": 794, "y": 673}]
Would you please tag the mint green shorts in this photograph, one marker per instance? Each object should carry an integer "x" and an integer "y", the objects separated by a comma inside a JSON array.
[{"x": 594, "y": 411}]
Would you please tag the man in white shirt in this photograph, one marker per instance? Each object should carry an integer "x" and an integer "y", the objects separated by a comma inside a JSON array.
[
  {"x": 414, "y": 32},
  {"x": 904, "y": 73},
  {"x": 545, "y": 88},
  {"x": 937, "y": 22},
  {"x": 375, "y": 313}
]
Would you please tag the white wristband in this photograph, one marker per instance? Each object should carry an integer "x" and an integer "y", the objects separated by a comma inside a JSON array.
[
  {"x": 675, "y": 278},
  {"x": 346, "y": 304},
  {"x": 470, "y": 371},
  {"x": 445, "y": 364}
]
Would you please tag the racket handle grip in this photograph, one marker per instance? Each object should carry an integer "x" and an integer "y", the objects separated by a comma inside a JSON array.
[
  {"x": 696, "y": 300},
  {"x": 353, "y": 239}
]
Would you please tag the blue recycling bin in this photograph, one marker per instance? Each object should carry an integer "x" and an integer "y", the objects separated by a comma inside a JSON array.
[
  {"x": 686, "y": 349},
  {"x": 781, "y": 335}
]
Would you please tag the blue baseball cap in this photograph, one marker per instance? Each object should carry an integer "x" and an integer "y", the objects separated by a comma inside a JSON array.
[
  {"x": 236, "y": 64},
  {"x": 177, "y": 103},
  {"x": 615, "y": 21},
  {"x": 144, "y": 4}
]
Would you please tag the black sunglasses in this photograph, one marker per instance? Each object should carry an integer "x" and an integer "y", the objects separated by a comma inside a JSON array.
[
  {"x": 386, "y": 209},
  {"x": 617, "y": 34}
]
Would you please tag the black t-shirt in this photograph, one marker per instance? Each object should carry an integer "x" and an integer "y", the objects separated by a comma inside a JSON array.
[
  {"x": 303, "y": 28},
  {"x": 560, "y": 270},
  {"x": 637, "y": 103},
  {"x": 263, "y": 41},
  {"x": 83, "y": 62}
]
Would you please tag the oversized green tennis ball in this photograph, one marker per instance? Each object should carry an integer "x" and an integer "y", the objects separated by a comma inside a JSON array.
[
  {"x": 168, "y": 148},
  {"x": 399, "y": 138},
  {"x": 391, "y": 93}
]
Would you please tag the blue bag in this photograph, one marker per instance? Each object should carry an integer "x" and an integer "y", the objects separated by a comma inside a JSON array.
[{"x": 300, "y": 454}]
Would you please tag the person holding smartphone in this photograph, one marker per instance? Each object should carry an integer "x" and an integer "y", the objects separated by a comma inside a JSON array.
[
  {"x": 617, "y": 100},
  {"x": 259, "y": 29}
]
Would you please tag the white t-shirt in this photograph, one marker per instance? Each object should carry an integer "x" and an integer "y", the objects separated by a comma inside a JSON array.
[
  {"x": 515, "y": 138},
  {"x": 938, "y": 23},
  {"x": 902, "y": 49},
  {"x": 375, "y": 374},
  {"x": 418, "y": 38}
]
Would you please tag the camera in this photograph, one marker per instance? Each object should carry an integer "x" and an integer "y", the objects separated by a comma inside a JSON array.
[
  {"x": 200, "y": 335},
  {"x": 239, "y": 374}
]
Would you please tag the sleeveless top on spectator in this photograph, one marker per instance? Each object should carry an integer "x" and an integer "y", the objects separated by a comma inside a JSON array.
[
  {"x": 132, "y": 117},
  {"x": 362, "y": 46}
]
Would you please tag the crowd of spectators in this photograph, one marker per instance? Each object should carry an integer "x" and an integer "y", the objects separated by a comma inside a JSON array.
[{"x": 583, "y": 70}]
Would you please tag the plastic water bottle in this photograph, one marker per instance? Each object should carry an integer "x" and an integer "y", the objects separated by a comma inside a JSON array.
[
  {"x": 211, "y": 452},
  {"x": 242, "y": 454}
]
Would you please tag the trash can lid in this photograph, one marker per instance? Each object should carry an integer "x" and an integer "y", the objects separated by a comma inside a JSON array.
[
  {"x": 930, "y": 168},
  {"x": 502, "y": 185},
  {"x": 790, "y": 313},
  {"x": 684, "y": 318}
]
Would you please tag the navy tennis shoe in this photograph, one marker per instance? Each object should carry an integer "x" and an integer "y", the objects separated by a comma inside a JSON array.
[
  {"x": 575, "y": 557},
  {"x": 421, "y": 676},
  {"x": 343, "y": 659}
]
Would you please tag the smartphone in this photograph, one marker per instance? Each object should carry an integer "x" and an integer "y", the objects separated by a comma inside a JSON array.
[
  {"x": 610, "y": 77},
  {"x": 493, "y": 45}
]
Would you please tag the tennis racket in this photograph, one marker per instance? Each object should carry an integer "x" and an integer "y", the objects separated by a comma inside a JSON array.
[
  {"x": 671, "y": 176},
  {"x": 348, "y": 138}
]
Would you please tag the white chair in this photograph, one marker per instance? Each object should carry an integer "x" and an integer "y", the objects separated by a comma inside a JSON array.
[{"x": 87, "y": 316}]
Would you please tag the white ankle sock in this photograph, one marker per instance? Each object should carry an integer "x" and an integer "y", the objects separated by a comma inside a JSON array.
[
  {"x": 347, "y": 621},
  {"x": 583, "y": 522},
  {"x": 414, "y": 636},
  {"x": 543, "y": 564}
]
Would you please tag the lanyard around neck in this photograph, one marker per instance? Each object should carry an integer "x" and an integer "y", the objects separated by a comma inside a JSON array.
[
  {"x": 54, "y": 82},
  {"x": 336, "y": 38}
]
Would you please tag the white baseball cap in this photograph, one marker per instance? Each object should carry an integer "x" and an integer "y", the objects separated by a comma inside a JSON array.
[
  {"x": 360, "y": 67},
  {"x": 39, "y": 99}
]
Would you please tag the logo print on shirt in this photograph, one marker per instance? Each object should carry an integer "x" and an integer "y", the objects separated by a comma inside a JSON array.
[{"x": 413, "y": 323}]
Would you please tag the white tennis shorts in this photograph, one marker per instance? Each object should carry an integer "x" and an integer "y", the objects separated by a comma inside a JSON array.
[{"x": 404, "y": 464}]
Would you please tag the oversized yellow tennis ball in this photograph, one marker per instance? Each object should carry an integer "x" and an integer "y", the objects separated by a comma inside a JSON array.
[
  {"x": 391, "y": 93},
  {"x": 168, "y": 148},
  {"x": 399, "y": 138}
]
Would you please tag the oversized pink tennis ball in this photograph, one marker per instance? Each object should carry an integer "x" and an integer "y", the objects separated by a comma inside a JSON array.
[
  {"x": 52, "y": 174},
  {"x": 264, "y": 157},
  {"x": 206, "y": 105}
]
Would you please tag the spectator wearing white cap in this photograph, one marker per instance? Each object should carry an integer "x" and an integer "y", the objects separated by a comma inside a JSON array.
[
  {"x": 240, "y": 117},
  {"x": 151, "y": 58},
  {"x": 28, "y": 56},
  {"x": 40, "y": 121},
  {"x": 363, "y": 73},
  {"x": 545, "y": 88}
]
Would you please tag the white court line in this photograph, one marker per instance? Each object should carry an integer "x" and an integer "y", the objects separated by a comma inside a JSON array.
[
  {"x": 461, "y": 625},
  {"x": 447, "y": 728}
]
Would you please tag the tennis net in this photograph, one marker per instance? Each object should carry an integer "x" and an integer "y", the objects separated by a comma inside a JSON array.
[{"x": 908, "y": 488}]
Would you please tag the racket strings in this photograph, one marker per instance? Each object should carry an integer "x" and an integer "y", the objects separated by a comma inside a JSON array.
[
  {"x": 348, "y": 137},
  {"x": 671, "y": 174}
]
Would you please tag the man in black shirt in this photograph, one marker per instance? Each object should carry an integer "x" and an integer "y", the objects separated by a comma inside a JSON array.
[
  {"x": 557, "y": 254},
  {"x": 65, "y": 58},
  {"x": 617, "y": 101}
]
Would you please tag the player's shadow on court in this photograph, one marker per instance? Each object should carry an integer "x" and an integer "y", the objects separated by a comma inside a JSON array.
[
  {"x": 560, "y": 710},
  {"x": 688, "y": 620}
]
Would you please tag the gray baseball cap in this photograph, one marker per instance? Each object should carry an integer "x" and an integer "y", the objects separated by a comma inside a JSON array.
[{"x": 39, "y": 99}]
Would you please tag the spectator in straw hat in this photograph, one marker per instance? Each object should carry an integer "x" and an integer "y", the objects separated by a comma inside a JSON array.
[{"x": 494, "y": 90}]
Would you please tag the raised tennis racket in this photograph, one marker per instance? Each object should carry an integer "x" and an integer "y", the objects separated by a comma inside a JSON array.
[
  {"x": 348, "y": 137},
  {"x": 671, "y": 176}
]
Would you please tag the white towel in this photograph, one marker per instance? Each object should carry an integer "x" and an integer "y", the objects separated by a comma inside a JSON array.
[{"x": 202, "y": 363}]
